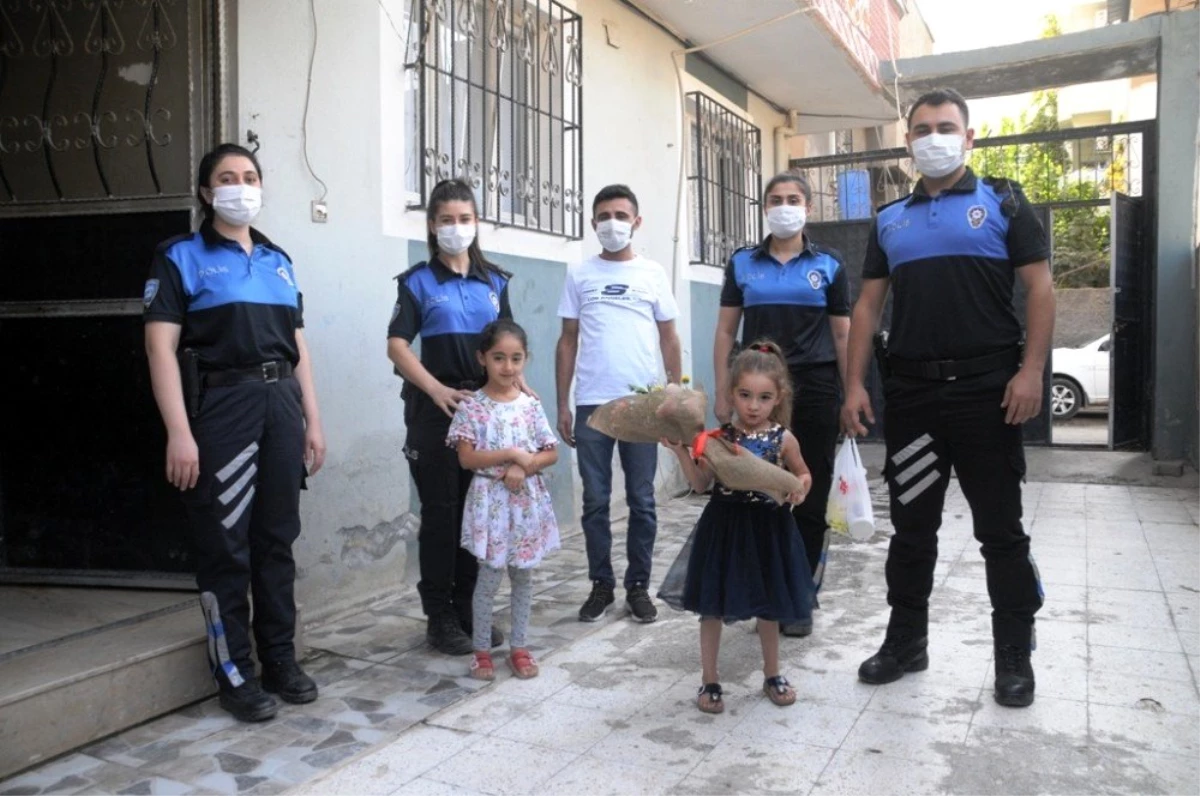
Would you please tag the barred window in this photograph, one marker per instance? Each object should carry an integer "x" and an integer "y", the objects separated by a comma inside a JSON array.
[
  {"x": 724, "y": 180},
  {"x": 496, "y": 99}
]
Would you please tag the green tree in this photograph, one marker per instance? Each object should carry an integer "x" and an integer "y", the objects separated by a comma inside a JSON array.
[{"x": 1046, "y": 173}]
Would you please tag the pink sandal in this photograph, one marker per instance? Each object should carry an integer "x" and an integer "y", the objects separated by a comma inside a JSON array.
[
  {"x": 522, "y": 664},
  {"x": 482, "y": 667}
]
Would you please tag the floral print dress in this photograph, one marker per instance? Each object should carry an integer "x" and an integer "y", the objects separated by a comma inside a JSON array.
[{"x": 499, "y": 527}]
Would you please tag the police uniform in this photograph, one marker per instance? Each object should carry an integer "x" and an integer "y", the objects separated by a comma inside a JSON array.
[
  {"x": 954, "y": 345},
  {"x": 239, "y": 314},
  {"x": 791, "y": 304},
  {"x": 448, "y": 311}
]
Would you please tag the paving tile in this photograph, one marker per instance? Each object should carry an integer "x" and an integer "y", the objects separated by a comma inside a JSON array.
[
  {"x": 423, "y": 786},
  {"x": 369, "y": 635},
  {"x": 815, "y": 725},
  {"x": 855, "y": 772},
  {"x": 1119, "y": 769},
  {"x": 1142, "y": 663},
  {"x": 499, "y": 766},
  {"x": 1185, "y": 609},
  {"x": 915, "y": 696},
  {"x": 382, "y": 772},
  {"x": 1002, "y": 762},
  {"x": 740, "y": 766},
  {"x": 907, "y": 737},
  {"x": 484, "y": 713},
  {"x": 1145, "y": 729},
  {"x": 1047, "y": 716},
  {"x": 589, "y": 776},
  {"x": 1132, "y": 608},
  {"x": 562, "y": 727},
  {"x": 1122, "y": 690},
  {"x": 1153, "y": 639}
]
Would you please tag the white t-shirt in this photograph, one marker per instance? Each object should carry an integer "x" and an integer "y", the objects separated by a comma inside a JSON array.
[{"x": 617, "y": 304}]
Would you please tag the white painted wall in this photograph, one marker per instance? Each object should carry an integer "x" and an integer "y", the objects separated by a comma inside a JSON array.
[{"x": 352, "y": 547}]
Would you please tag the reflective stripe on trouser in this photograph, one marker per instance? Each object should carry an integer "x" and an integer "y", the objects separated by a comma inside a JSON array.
[
  {"x": 245, "y": 515},
  {"x": 928, "y": 430}
]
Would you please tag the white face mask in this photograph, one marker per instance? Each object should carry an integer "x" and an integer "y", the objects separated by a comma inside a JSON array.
[
  {"x": 614, "y": 235},
  {"x": 938, "y": 154},
  {"x": 455, "y": 238},
  {"x": 785, "y": 221},
  {"x": 237, "y": 205}
]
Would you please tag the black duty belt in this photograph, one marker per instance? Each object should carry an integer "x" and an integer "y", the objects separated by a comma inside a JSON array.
[
  {"x": 951, "y": 369},
  {"x": 267, "y": 371}
]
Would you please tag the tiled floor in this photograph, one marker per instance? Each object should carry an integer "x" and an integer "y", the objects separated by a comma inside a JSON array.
[{"x": 612, "y": 713}]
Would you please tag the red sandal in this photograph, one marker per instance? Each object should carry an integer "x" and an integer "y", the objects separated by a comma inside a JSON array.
[
  {"x": 482, "y": 667},
  {"x": 522, "y": 664}
]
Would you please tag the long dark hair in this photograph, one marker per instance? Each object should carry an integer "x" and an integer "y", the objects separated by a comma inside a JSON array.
[
  {"x": 209, "y": 163},
  {"x": 765, "y": 357},
  {"x": 455, "y": 191},
  {"x": 492, "y": 333}
]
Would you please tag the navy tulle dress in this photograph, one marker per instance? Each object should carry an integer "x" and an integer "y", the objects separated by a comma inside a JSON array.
[{"x": 745, "y": 558}]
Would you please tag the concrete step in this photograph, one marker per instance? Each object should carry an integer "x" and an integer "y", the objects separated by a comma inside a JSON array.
[{"x": 58, "y": 696}]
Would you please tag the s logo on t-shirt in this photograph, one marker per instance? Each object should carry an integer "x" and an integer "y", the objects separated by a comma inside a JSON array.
[{"x": 615, "y": 290}]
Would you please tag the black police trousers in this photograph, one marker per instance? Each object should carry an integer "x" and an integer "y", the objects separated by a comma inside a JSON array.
[
  {"x": 815, "y": 409},
  {"x": 448, "y": 572},
  {"x": 930, "y": 427},
  {"x": 245, "y": 513}
]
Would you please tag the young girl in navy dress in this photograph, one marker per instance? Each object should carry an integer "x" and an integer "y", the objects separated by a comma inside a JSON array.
[
  {"x": 502, "y": 434},
  {"x": 745, "y": 558}
]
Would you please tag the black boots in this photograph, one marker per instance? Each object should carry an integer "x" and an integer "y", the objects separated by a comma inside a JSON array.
[
  {"x": 1014, "y": 676},
  {"x": 901, "y": 653},
  {"x": 289, "y": 681},
  {"x": 247, "y": 702},
  {"x": 904, "y": 648},
  {"x": 446, "y": 635}
]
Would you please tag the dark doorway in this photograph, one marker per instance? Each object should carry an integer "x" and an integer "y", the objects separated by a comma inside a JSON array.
[{"x": 102, "y": 106}]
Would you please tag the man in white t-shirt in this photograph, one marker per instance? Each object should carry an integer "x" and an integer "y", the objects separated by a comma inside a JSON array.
[{"x": 613, "y": 306}]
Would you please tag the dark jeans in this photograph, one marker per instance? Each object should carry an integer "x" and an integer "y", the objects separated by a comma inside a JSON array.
[
  {"x": 448, "y": 572},
  {"x": 815, "y": 411},
  {"x": 639, "y": 461},
  {"x": 930, "y": 427},
  {"x": 245, "y": 513}
]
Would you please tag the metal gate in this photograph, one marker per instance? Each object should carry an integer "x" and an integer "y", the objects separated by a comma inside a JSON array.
[
  {"x": 1106, "y": 168},
  {"x": 104, "y": 109}
]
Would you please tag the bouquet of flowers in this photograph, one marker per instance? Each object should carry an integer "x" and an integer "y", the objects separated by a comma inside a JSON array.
[
  {"x": 675, "y": 412},
  {"x": 739, "y": 470}
]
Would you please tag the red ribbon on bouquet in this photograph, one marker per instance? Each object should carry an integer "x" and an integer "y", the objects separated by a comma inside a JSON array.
[{"x": 701, "y": 441}]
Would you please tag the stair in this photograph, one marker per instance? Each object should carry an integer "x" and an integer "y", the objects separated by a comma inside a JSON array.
[{"x": 67, "y": 692}]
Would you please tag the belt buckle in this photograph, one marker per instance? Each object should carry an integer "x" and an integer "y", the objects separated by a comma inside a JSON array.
[
  {"x": 270, "y": 372},
  {"x": 939, "y": 369}
]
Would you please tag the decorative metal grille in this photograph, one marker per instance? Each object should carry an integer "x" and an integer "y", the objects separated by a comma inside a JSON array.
[
  {"x": 501, "y": 106},
  {"x": 725, "y": 181},
  {"x": 1080, "y": 167},
  {"x": 95, "y": 102}
]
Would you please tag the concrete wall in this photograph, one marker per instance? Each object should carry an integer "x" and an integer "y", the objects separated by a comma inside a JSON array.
[
  {"x": 1175, "y": 301},
  {"x": 357, "y": 514}
]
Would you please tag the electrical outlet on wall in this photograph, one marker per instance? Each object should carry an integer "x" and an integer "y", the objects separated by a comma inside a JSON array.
[{"x": 320, "y": 212}]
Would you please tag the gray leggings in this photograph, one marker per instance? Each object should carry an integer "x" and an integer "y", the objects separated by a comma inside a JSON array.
[{"x": 486, "y": 586}]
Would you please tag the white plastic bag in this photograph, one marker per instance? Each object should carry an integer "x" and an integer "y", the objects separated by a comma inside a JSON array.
[{"x": 849, "y": 508}]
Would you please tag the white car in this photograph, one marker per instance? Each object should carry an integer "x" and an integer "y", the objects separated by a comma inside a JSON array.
[{"x": 1080, "y": 378}]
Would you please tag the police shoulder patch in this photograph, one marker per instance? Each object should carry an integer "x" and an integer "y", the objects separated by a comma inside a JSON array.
[
  {"x": 495, "y": 300},
  {"x": 149, "y": 292}
]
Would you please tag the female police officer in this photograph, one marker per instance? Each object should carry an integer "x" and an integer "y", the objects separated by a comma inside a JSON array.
[
  {"x": 796, "y": 293},
  {"x": 233, "y": 381},
  {"x": 447, "y": 301}
]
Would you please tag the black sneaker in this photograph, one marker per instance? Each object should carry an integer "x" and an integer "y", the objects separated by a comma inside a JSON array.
[
  {"x": 445, "y": 634},
  {"x": 248, "y": 702},
  {"x": 289, "y": 681},
  {"x": 899, "y": 655},
  {"x": 796, "y": 629},
  {"x": 1014, "y": 676},
  {"x": 641, "y": 607},
  {"x": 597, "y": 603}
]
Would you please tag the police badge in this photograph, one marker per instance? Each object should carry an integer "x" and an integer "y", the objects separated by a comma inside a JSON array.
[
  {"x": 814, "y": 279},
  {"x": 976, "y": 214}
]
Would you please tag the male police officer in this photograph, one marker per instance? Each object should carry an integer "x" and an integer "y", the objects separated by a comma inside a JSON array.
[{"x": 958, "y": 384}]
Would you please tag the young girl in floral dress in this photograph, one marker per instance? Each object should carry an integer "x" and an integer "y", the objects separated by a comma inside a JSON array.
[{"x": 502, "y": 434}]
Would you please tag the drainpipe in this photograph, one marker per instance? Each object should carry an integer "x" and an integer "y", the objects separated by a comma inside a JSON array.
[{"x": 782, "y": 134}]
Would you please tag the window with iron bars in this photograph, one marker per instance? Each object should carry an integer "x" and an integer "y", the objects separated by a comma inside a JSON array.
[
  {"x": 495, "y": 97},
  {"x": 724, "y": 181}
]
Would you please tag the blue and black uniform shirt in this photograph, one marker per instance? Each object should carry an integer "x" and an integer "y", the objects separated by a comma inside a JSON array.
[
  {"x": 237, "y": 310},
  {"x": 790, "y": 302},
  {"x": 448, "y": 311},
  {"x": 952, "y": 260}
]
